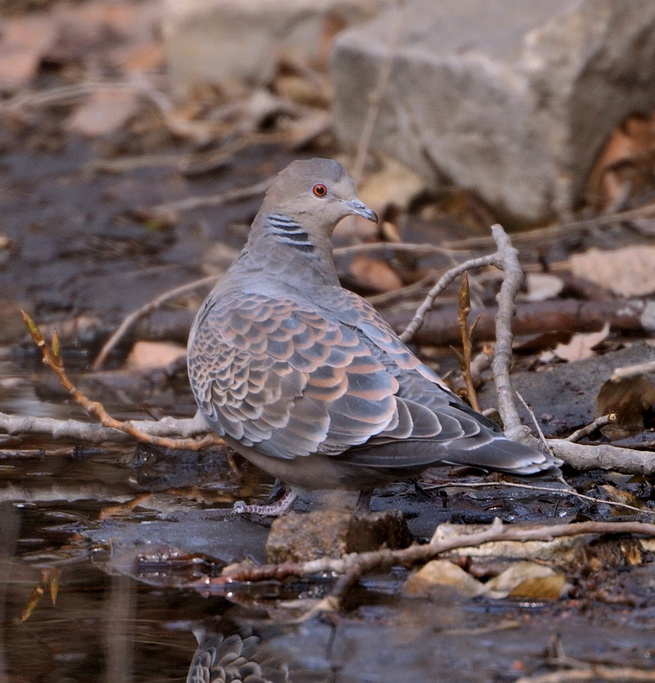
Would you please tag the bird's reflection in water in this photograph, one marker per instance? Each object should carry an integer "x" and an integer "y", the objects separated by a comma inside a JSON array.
[{"x": 222, "y": 658}]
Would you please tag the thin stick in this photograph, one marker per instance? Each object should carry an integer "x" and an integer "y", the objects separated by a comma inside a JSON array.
[
  {"x": 592, "y": 427},
  {"x": 152, "y": 305},
  {"x": 535, "y": 422},
  {"x": 507, "y": 260},
  {"x": 552, "y": 233},
  {"x": 594, "y": 673},
  {"x": 467, "y": 346},
  {"x": 407, "y": 247},
  {"x": 419, "y": 317},
  {"x": 91, "y": 432},
  {"x": 546, "y": 489},
  {"x": 632, "y": 371},
  {"x": 376, "y": 96},
  {"x": 232, "y": 195},
  {"x": 407, "y": 557},
  {"x": 52, "y": 358}
]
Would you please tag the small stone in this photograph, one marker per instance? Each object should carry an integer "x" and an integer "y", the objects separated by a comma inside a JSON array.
[
  {"x": 229, "y": 43},
  {"x": 332, "y": 533}
]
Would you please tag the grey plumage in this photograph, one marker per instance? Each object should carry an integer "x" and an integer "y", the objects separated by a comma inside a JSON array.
[
  {"x": 233, "y": 659},
  {"x": 305, "y": 379}
]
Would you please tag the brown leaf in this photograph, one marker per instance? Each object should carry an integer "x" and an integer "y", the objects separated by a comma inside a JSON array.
[
  {"x": 394, "y": 184},
  {"x": 629, "y": 399},
  {"x": 629, "y": 271},
  {"x": 104, "y": 112},
  {"x": 544, "y": 588},
  {"x": 616, "y": 495},
  {"x": 527, "y": 579},
  {"x": 440, "y": 573},
  {"x": 140, "y": 57},
  {"x": 150, "y": 355},
  {"x": 374, "y": 275},
  {"x": 627, "y": 156},
  {"x": 25, "y": 40},
  {"x": 542, "y": 286},
  {"x": 581, "y": 345},
  {"x": 302, "y": 89}
]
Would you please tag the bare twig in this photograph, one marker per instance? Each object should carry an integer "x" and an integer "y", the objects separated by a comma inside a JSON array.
[
  {"x": 444, "y": 281},
  {"x": 136, "y": 83},
  {"x": 356, "y": 564},
  {"x": 52, "y": 358},
  {"x": 632, "y": 371},
  {"x": 232, "y": 195},
  {"x": 58, "y": 95},
  {"x": 376, "y": 96},
  {"x": 92, "y": 432},
  {"x": 198, "y": 162},
  {"x": 591, "y": 427},
  {"x": 555, "y": 233},
  {"x": 567, "y": 315},
  {"x": 535, "y": 422},
  {"x": 594, "y": 673},
  {"x": 406, "y": 247},
  {"x": 152, "y": 305},
  {"x": 568, "y": 491},
  {"x": 467, "y": 346},
  {"x": 507, "y": 260},
  {"x": 604, "y": 457},
  {"x": 403, "y": 295}
]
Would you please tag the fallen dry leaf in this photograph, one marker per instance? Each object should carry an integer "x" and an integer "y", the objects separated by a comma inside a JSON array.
[
  {"x": 625, "y": 160},
  {"x": 630, "y": 399},
  {"x": 394, "y": 184},
  {"x": 375, "y": 275},
  {"x": 25, "y": 40},
  {"x": 542, "y": 286},
  {"x": 544, "y": 588},
  {"x": 625, "y": 497},
  {"x": 104, "y": 112},
  {"x": 140, "y": 57},
  {"x": 304, "y": 89},
  {"x": 150, "y": 355},
  {"x": 527, "y": 580},
  {"x": 629, "y": 271},
  {"x": 581, "y": 345},
  {"x": 439, "y": 573}
]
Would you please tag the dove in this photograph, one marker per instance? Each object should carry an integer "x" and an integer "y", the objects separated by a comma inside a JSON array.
[{"x": 306, "y": 380}]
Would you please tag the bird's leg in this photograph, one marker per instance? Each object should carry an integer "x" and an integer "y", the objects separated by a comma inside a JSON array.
[{"x": 276, "y": 509}]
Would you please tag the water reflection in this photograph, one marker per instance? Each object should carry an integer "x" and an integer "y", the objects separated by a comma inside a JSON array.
[
  {"x": 105, "y": 625},
  {"x": 234, "y": 657}
]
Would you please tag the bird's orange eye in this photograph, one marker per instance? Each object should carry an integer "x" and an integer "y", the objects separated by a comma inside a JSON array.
[{"x": 319, "y": 190}]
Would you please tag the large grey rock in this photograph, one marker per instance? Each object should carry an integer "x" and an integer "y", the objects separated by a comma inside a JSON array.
[
  {"x": 241, "y": 41},
  {"x": 512, "y": 99}
]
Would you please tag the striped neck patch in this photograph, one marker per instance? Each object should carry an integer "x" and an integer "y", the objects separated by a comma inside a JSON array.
[{"x": 289, "y": 232}]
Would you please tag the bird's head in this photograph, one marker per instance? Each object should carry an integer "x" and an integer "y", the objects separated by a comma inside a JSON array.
[{"x": 317, "y": 194}]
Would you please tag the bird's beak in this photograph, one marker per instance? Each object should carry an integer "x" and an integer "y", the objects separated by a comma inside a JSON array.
[{"x": 358, "y": 208}]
